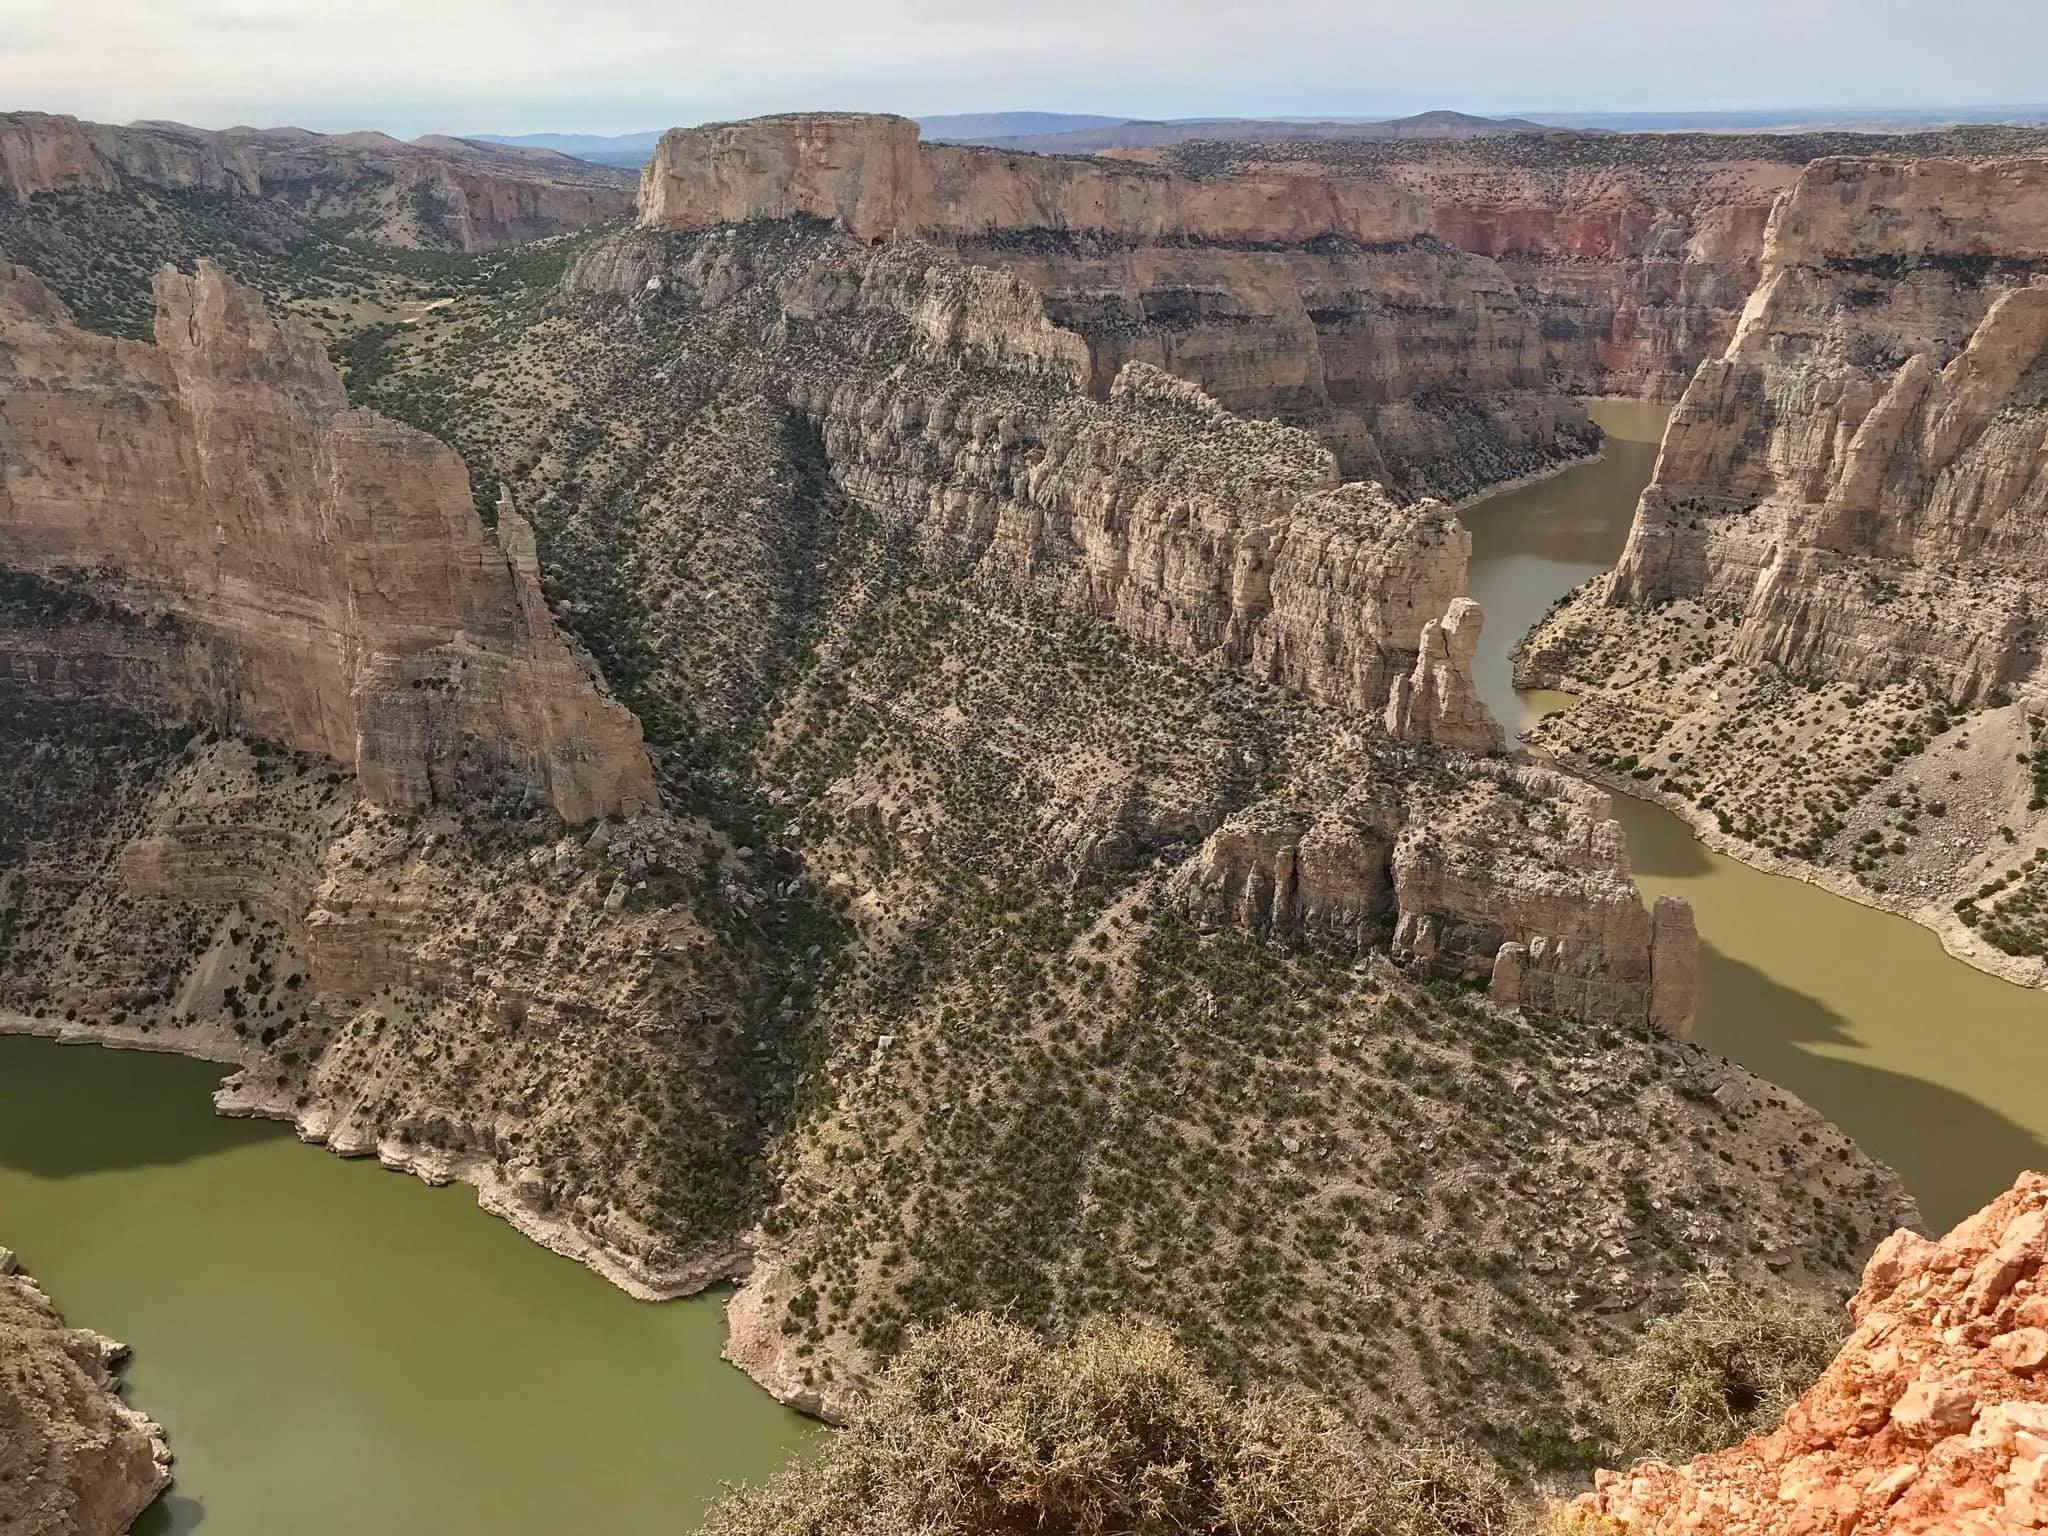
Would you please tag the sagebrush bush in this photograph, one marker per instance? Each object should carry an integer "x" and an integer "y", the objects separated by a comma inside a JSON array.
[
  {"x": 983, "y": 1428},
  {"x": 1723, "y": 1367}
]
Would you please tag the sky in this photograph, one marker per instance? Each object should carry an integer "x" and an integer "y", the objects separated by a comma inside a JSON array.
[{"x": 614, "y": 66}]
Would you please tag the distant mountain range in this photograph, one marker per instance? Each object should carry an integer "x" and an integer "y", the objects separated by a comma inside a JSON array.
[
  {"x": 1080, "y": 133},
  {"x": 1139, "y": 134},
  {"x": 628, "y": 149}
]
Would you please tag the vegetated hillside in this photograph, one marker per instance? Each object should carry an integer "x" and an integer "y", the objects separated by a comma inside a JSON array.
[
  {"x": 435, "y": 193},
  {"x": 1835, "y": 573},
  {"x": 1042, "y": 915}
]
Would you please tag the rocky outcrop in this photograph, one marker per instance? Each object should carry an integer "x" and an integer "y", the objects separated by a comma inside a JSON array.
[
  {"x": 1518, "y": 877},
  {"x": 1847, "y": 513},
  {"x": 1875, "y": 425},
  {"x": 74, "y": 1459},
  {"x": 310, "y": 573},
  {"x": 1932, "y": 1418},
  {"x": 1438, "y": 702},
  {"x": 1156, "y": 508},
  {"x": 437, "y": 192},
  {"x": 1319, "y": 300}
]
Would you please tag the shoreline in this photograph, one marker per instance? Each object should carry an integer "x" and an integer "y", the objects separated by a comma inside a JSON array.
[
  {"x": 1534, "y": 477},
  {"x": 318, "y": 1126},
  {"x": 1957, "y": 940}
]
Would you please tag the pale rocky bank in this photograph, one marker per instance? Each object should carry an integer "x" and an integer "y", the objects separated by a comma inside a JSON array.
[
  {"x": 75, "y": 1460},
  {"x": 1822, "y": 643}
]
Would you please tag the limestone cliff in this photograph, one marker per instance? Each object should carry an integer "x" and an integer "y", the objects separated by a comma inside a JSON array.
[
  {"x": 1323, "y": 301},
  {"x": 1933, "y": 1418},
  {"x": 74, "y": 1459},
  {"x": 1834, "y": 574},
  {"x": 1636, "y": 252},
  {"x": 310, "y": 573},
  {"x": 1223, "y": 540},
  {"x": 437, "y": 192}
]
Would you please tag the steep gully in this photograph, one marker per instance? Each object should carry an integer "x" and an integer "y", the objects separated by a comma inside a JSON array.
[{"x": 462, "y": 1334}]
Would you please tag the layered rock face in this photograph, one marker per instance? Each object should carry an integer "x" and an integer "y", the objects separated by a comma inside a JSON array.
[
  {"x": 74, "y": 1459},
  {"x": 436, "y": 192},
  {"x": 1226, "y": 541},
  {"x": 1867, "y": 449},
  {"x": 1323, "y": 301},
  {"x": 1933, "y": 1418},
  {"x": 311, "y": 573},
  {"x": 1636, "y": 252},
  {"x": 1823, "y": 641}
]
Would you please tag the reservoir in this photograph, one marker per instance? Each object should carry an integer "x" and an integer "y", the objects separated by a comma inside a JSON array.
[
  {"x": 1931, "y": 1065},
  {"x": 337, "y": 1349},
  {"x": 334, "y": 1349}
]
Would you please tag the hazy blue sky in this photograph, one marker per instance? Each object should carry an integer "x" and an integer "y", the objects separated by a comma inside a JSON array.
[{"x": 616, "y": 65}]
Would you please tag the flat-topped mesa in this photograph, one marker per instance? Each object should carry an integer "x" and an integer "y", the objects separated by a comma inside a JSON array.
[
  {"x": 1933, "y": 1418},
  {"x": 870, "y": 173},
  {"x": 316, "y": 575},
  {"x": 1320, "y": 300},
  {"x": 1873, "y": 432}
]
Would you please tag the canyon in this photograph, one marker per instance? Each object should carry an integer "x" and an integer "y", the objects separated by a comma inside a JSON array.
[
  {"x": 1324, "y": 301},
  {"x": 1832, "y": 571},
  {"x": 921, "y": 796}
]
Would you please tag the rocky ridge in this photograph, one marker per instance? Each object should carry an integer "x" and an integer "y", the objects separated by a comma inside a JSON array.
[
  {"x": 1835, "y": 566},
  {"x": 1157, "y": 511},
  {"x": 74, "y": 1459},
  {"x": 1932, "y": 1418},
  {"x": 298, "y": 570},
  {"x": 1322, "y": 301},
  {"x": 1037, "y": 884},
  {"x": 1636, "y": 252},
  {"x": 437, "y": 193}
]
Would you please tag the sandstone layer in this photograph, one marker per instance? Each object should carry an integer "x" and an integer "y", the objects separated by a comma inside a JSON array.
[
  {"x": 1933, "y": 1418},
  {"x": 1836, "y": 567},
  {"x": 1636, "y": 252},
  {"x": 299, "y": 570},
  {"x": 1324, "y": 301},
  {"x": 1228, "y": 541},
  {"x": 437, "y": 192},
  {"x": 74, "y": 1459}
]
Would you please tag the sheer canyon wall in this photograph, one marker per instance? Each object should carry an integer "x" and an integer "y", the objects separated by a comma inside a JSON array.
[
  {"x": 1837, "y": 567},
  {"x": 288, "y": 567},
  {"x": 1325, "y": 301}
]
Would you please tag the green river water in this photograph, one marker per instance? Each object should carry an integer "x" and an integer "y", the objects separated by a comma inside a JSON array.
[
  {"x": 336, "y": 1349},
  {"x": 1935, "y": 1067}
]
